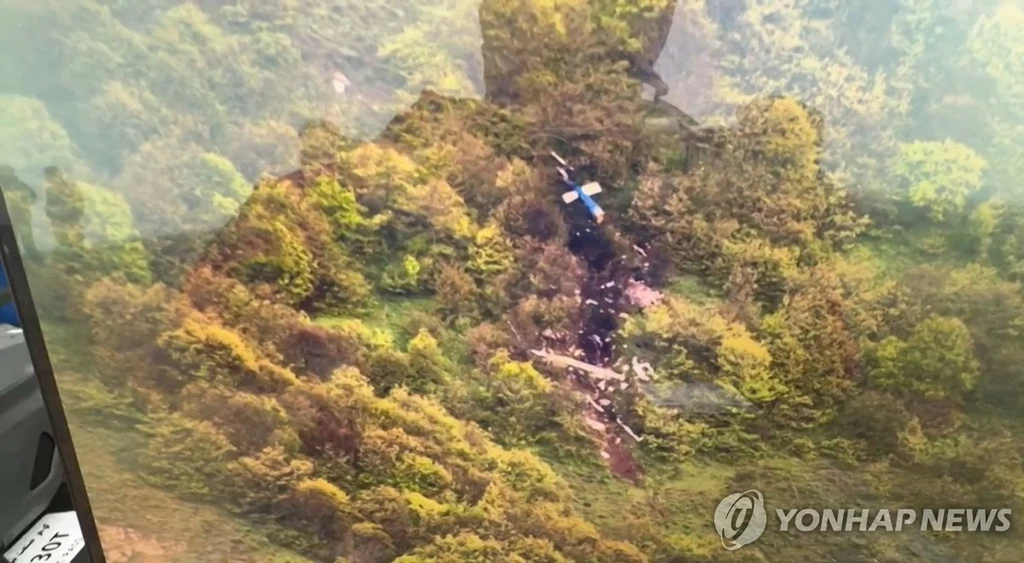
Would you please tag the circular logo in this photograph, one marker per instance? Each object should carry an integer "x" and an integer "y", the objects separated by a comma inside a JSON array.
[{"x": 740, "y": 519}]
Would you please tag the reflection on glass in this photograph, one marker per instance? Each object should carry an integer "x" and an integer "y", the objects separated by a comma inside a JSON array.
[
  {"x": 8, "y": 311},
  {"x": 55, "y": 537},
  {"x": 318, "y": 290},
  {"x": 37, "y": 519}
]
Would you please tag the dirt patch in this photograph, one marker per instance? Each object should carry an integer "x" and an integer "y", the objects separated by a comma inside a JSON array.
[
  {"x": 125, "y": 545},
  {"x": 621, "y": 461}
]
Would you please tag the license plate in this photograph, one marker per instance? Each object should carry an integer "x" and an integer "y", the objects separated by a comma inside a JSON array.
[{"x": 55, "y": 538}]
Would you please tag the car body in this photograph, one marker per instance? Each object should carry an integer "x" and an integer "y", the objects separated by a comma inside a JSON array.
[{"x": 30, "y": 474}]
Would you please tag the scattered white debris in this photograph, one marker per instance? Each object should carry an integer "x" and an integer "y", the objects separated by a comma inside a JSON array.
[
  {"x": 590, "y": 302},
  {"x": 625, "y": 385},
  {"x": 604, "y": 402},
  {"x": 618, "y": 439},
  {"x": 606, "y": 455},
  {"x": 598, "y": 407},
  {"x": 623, "y": 316},
  {"x": 340, "y": 82},
  {"x": 548, "y": 333},
  {"x": 630, "y": 431},
  {"x": 643, "y": 370},
  {"x": 639, "y": 251},
  {"x": 565, "y": 361},
  {"x": 609, "y": 284},
  {"x": 514, "y": 331}
]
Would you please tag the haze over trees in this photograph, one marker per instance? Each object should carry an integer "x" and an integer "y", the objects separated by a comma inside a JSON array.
[{"x": 317, "y": 306}]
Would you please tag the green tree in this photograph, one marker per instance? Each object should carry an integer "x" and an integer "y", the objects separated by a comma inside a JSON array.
[
  {"x": 784, "y": 49},
  {"x": 936, "y": 361},
  {"x": 187, "y": 455},
  {"x": 1007, "y": 241},
  {"x": 402, "y": 276},
  {"x": 251, "y": 422},
  {"x": 283, "y": 242},
  {"x": 114, "y": 243},
  {"x": 388, "y": 369},
  {"x": 996, "y": 44},
  {"x": 879, "y": 419},
  {"x": 525, "y": 473},
  {"x": 427, "y": 360},
  {"x": 758, "y": 180},
  {"x": 695, "y": 344},
  {"x": 993, "y": 311},
  {"x": 518, "y": 402},
  {"x": 938, "y": 177},
  {"x": 322, "y": 507},
  {"x": 490, "y": 255},
  {"x": 32, "y": 138},
  {"x": 261, "y": 147},
  {"x": 178, "y": 193},
  {"x": 261, "y": 481},
  {"x": 814, "y": 349},
  {"x": 203, "y": 350},
  {"x": 125, "y": 321},
  {"x": 456, "y": 294},
  {"x": 436, "y": 52},
  {"x": 348, "y": 219},
  {"x": 126, "y": 115},
  {"x": 467, "y": 547}
]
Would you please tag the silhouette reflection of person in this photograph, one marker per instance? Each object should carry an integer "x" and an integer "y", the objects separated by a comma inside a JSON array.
[
  {"x": 65, "y": 207},
  {"x": 19, "y": 197}
]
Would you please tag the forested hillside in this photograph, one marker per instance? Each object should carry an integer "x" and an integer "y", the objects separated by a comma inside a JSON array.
[{"x": 309, "y": 246}]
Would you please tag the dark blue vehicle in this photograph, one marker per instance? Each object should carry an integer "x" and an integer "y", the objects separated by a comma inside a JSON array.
[{"x": 8, "y": 312}]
